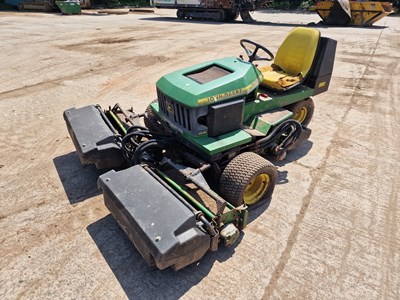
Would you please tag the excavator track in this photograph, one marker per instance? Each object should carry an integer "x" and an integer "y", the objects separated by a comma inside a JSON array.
[
  {"x": 201, "y": 14},
  {"x": 333, "y": 12},
  {"x": 218, "y": 15}
]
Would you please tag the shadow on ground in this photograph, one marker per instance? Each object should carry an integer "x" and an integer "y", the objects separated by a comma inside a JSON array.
[
  {"x": 254, "y": 213},
  {"x": 257, "y": 23},
  {"x": 138, "y": 280},
  {"x": 236, "y": 22},
  {"x": 79, "y": 182},
  {"x": 295, "y": 154}
]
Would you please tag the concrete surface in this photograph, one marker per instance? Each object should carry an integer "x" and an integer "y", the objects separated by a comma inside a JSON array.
[{"x": 330, "y": 232}]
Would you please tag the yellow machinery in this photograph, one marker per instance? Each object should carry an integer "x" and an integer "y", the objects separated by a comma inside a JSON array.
[{"x": 359, "y": 13}]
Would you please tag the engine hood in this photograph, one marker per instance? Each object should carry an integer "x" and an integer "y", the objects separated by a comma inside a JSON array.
[{"x": 210, "y": 82}]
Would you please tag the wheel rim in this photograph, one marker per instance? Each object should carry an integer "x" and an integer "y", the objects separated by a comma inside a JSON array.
[
  {"x": 301, "y": 115},
  {"x": 256, "y": 189}
]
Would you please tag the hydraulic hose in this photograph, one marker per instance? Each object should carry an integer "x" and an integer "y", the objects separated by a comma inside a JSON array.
[
  {"x": 136, "y": 128},
  {"x": 137, "y": 140},
  {"x": 290, "y": 127},
  {"x": 154, "y": 143}
]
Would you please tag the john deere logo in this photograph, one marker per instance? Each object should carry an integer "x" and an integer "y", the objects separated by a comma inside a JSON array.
[{"x": 170, "y": 108}]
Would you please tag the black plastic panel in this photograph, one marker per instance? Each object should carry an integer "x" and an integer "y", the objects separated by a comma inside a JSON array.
[
  {"x": 163, "y": 229},
  {"x": 93, "y": 139},
  {"x": 322, "y": 71},
  {"x": 225, "y": 117}
]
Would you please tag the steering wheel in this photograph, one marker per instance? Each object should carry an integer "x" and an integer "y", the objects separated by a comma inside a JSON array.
[{"x": 253, "y": 54}]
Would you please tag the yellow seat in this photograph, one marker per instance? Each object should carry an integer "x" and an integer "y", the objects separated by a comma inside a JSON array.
[{"x": 293, "y": 60}]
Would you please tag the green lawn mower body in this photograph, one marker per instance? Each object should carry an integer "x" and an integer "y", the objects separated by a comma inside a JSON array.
[{"x": 210, "y": 127}]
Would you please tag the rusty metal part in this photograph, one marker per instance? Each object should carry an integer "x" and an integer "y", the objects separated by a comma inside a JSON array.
[
  {"x": 358, "y": 13},
  {"x": 129, "y": 115}
]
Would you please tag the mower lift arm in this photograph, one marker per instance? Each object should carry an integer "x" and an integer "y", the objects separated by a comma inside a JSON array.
[{"x": 195, "y": 176}]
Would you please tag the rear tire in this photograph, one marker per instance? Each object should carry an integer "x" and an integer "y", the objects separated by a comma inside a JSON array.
[
  {"x": 303, "y": 111},
  {"x": 248, "y": 179}
]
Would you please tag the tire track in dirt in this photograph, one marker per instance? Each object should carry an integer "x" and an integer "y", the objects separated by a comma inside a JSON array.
[
  {"x": 391, "y": 132},
  {"x": 29, "y": 89},
  {"x": 317, "y": 176},
  {"x": 137, "y": 62},
  {"x": 390, "y": 234}
]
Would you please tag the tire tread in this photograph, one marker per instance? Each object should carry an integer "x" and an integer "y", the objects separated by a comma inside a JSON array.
[{"x": 240, "y": 171}]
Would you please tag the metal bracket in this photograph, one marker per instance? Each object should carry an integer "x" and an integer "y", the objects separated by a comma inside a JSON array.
[{"x": 195, "y": 176}]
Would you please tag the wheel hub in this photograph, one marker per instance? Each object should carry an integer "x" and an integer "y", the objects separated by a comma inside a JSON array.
[
  {"x": 256, "y": 189},
  {"x": 301, "y": 115}
]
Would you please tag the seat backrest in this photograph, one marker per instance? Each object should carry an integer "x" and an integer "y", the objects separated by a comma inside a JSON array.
[{"x": 296, "y": 54}]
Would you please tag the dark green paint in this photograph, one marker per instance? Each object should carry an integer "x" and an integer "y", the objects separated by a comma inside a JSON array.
[
  {"x": 227, "y": 141},
  {"x": 188, "y": 92},
  {"x": 255, "y": 107},
  {"x": 245, "y": 77},
  {"x": 115, "y": 118}
]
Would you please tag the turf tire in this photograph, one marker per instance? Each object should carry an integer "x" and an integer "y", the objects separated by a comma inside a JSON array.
[
  {"x": 151, "y": 121},
  {"x": 240, "y": 172},
  {"x": 296, "y": 107}
]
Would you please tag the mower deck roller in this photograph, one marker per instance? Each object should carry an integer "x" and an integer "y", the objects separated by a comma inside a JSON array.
[{"x": 164, "y": 231}]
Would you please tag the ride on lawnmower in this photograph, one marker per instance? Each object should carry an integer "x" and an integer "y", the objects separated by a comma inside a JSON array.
[{"x": 185, "y": 180}]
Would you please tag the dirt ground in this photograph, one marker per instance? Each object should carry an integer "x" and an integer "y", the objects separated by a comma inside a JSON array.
[{"x": 331, "y": 230}]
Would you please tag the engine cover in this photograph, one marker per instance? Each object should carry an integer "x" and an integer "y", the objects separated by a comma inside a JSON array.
[{"x": 210, "y": 82}]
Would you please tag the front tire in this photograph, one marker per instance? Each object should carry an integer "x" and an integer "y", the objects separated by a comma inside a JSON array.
[
  {"x": 248, "y": 179},
  {"x": 151, "y": 120}
]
